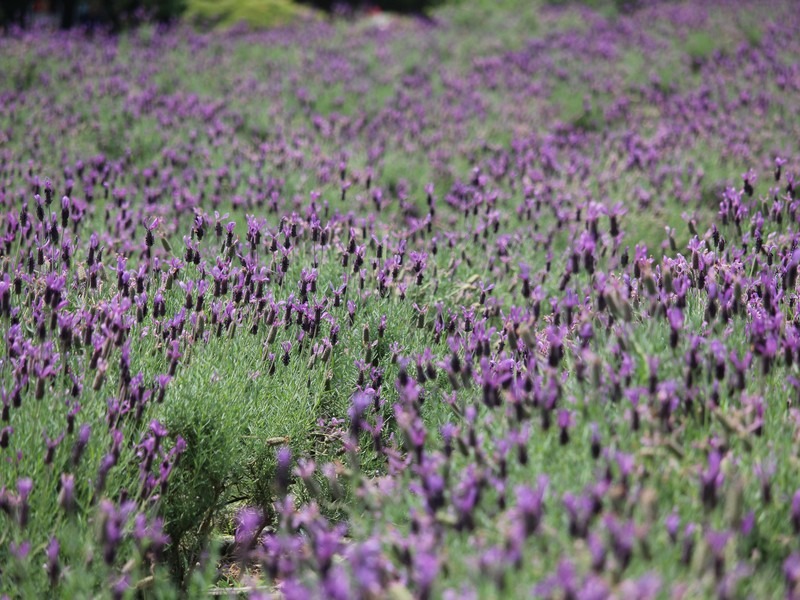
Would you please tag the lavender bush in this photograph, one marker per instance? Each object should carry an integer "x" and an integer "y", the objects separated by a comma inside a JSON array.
[{"x": 502, "y": 304}]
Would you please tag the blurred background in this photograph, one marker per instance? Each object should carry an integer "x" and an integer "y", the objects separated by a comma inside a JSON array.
[{"x": 118, "y": 14}]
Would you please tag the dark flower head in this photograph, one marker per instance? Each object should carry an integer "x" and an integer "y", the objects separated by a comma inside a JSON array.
[{"x": 284, "y": 467}]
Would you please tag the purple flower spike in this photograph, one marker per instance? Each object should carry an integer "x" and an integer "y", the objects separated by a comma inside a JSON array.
[
  {"x": 284, "y": 468},
  {"x": 360, "y": 402},
  {"x": 530, "y": 505},
  {"x": 21, "y": 550},
  {"x": 564, "y": 423},
  {"x": 250, "y": 521},
  {"x": 791, "y": 572},
  {"x": 52, "y": 566},
  {"x": 711, "y": 480},
  {"x": 24, "y": 487},
  {"x": 66, "y": 495}
]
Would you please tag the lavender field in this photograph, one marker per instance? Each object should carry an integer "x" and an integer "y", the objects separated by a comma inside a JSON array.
[{"x": 502, "y": 303}]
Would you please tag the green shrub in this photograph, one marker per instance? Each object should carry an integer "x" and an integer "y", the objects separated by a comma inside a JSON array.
[{"x": 255, "y": 13}]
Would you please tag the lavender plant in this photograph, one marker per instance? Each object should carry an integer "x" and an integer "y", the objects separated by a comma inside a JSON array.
[{"x": 357, "y": 310}]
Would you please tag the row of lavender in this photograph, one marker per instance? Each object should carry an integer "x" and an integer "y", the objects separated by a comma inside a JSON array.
[{"x": 418, "y": 327}]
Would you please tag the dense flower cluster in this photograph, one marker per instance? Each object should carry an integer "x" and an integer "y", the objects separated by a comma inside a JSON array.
[{"x": 514, "y": 320}]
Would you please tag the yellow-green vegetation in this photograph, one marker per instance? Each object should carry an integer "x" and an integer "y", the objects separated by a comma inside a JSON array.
[{"x": 254, "y": 13}]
